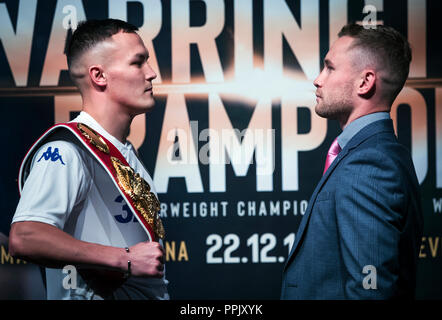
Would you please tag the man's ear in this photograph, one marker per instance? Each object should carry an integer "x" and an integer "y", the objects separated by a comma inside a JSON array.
[
  {"x": 367, "y": 82},
  {"x": 98, "y": 78}
]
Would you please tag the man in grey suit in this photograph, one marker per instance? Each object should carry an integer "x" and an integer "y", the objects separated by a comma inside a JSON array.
[{"x": 360, "y": 235}]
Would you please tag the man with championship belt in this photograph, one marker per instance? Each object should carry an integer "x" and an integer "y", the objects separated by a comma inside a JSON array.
[{"x": 86, "y": 199}]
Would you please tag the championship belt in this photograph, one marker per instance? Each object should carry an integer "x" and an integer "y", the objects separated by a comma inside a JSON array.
[{"x": 134, "y": 189}]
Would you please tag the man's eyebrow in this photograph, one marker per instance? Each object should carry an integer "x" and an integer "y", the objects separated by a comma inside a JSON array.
[
  {"x": 142, "y": 56},
  {"x": 328, "y": 63}
]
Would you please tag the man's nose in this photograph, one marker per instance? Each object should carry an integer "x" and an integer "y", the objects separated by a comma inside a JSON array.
[
  {"x": 318, "y": 83},
  {"x": 150, "y": 73}
]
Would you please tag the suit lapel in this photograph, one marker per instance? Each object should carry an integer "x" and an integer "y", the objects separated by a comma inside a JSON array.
[
  {"x": 311, "y": 202},
  {"x": 365, "y": 133}
]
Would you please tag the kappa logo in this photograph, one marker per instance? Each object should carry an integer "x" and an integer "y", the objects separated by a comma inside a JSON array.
[{"x": 53, "y": 156}]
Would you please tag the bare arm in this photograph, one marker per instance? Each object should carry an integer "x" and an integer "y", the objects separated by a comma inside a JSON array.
[{"x": 49, "y": 246}]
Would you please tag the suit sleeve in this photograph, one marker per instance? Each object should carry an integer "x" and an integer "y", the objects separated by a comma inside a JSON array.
[{"x": 369, "y": 201}]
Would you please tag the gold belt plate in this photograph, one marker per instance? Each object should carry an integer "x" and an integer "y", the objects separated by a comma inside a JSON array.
[
  {"x": 94, "y": 138},
  {"x": 138, "y": 190}
]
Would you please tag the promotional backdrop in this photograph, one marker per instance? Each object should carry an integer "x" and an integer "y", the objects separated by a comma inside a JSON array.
[{"x": 233, "y": 144}]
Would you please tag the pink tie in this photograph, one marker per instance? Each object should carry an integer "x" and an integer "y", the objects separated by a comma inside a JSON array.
[{"x": 332, "y": 154}]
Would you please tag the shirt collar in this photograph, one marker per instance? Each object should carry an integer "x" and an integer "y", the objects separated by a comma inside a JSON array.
[{"x": 357, "y": 125}]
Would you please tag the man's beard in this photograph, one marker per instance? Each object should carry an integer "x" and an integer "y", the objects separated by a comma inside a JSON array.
[
  {"x": 335, "y": 110},
  {"x": 339, "y": 108}
]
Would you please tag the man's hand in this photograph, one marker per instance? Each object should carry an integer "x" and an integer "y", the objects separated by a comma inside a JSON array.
[
  {"x": 147, "y": 259},
  {"x": 51, "y": 247}
]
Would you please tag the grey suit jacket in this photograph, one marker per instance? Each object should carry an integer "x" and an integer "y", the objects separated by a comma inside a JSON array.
[{"x": 360, "y": 235}]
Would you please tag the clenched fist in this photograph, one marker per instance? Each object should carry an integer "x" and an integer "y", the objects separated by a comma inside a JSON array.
[{"x": 147, "y": 259}]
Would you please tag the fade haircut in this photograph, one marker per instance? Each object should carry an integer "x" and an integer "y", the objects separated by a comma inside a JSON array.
[
  {"x": 90, "y": 33},
  {"x": 389, "y": 50}
]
